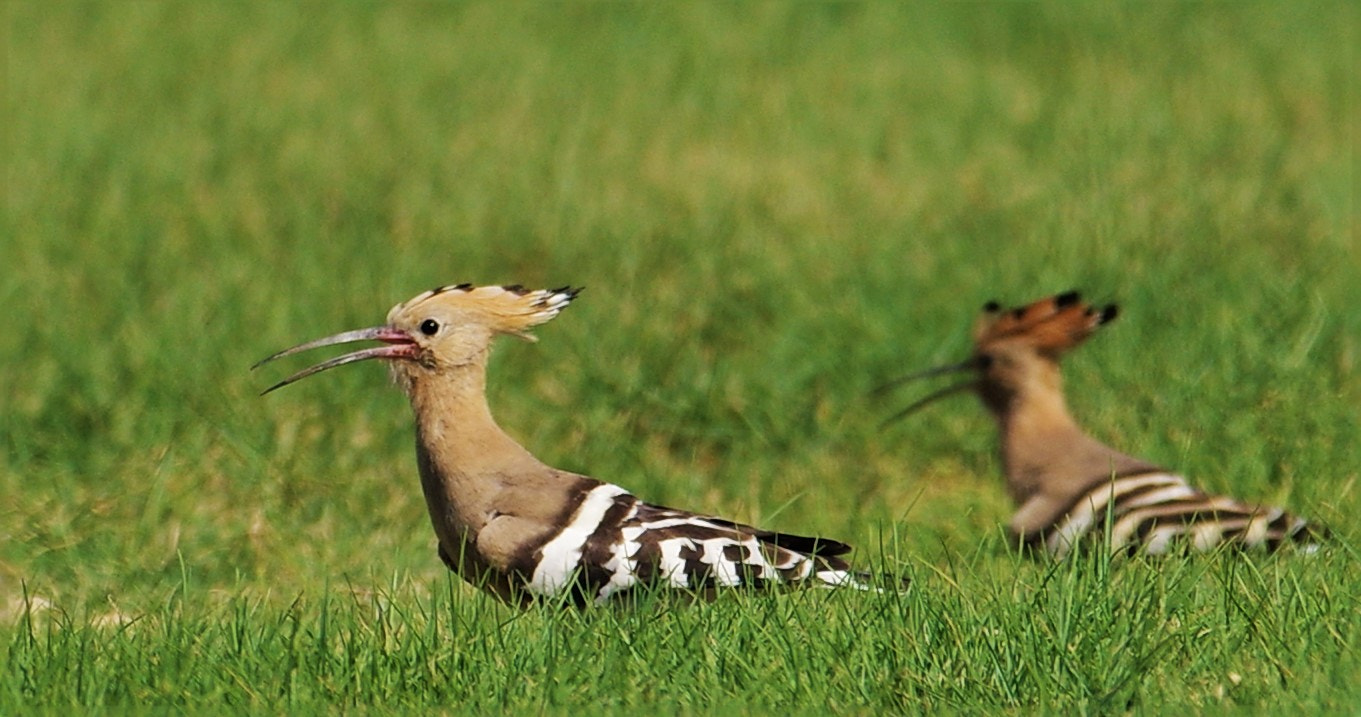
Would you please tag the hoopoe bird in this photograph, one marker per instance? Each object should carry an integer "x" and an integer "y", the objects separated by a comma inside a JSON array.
[
  {"x": 1068, "y": 486},
  {"x": 523, "y": 530}
]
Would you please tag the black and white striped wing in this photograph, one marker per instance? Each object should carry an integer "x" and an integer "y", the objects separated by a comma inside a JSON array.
[
  {"x": 614, "y": 542},
  {"x": 1152, "y": 512}
]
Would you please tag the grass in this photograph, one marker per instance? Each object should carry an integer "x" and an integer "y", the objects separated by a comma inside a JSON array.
[
  {"x": 1081, "y": 636},
  {"x": 774, "y": 208}
]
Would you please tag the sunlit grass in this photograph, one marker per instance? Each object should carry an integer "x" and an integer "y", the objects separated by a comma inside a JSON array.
[{"x": 773, "y": 208}]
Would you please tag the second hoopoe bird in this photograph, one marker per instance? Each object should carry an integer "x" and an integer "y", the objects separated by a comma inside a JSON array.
[
  {"x": 521, "y": 529},
  {"x": 1069, "y": 486}
]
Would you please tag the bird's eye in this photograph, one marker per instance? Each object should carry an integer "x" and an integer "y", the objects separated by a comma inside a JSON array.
[
  {"x": 983, "y": 362},
  {"x": 429, "y": 327}
]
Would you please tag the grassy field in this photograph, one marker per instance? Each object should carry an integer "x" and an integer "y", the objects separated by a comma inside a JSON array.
[{"x": 773, "y": 208}]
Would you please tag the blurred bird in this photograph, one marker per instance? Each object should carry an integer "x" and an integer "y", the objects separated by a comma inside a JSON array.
[
  {"x": 1067, "y": 485},
  {"x": 520, "y": 529}
]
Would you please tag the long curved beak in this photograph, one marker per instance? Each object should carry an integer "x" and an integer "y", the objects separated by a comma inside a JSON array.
[
  {"x": 967, "y": 365},
  {"x": 401, "y": 346},
  {"x": 927, "y": 400}
]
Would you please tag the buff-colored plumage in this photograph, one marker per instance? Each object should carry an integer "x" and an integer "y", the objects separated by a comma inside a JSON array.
[
  {"x": 519, "y": 528},
  {"x": 1066, "y": 484}
]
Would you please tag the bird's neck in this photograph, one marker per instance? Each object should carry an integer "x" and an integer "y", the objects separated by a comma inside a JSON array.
[
  {"x": 1044, "y": 451},
  {"x": 455, "y": 427},
  {"x": 1033, "y": 425},
  {"x": 466, "y": 461}
]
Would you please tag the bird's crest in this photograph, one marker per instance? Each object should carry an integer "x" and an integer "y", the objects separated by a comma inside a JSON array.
[
  {"x": 505, "y": 309},
  {"x": 1051, "y": 325}
]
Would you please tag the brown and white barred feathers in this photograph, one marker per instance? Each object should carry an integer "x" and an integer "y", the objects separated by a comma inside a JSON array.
[
  {"x": 1150, "y": 512},
  {"x": 614, "y": 542},
  {"x": 1068, "y": 486},
  {"x": 518, "y": 528}
]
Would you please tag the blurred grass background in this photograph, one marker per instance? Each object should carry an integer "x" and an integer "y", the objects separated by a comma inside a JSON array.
[{"x": 773, "y": 207}]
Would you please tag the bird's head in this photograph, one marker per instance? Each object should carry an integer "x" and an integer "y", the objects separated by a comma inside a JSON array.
[
  {"x": 441, "y": 329},
  {"x": 1017, "y": 349}
]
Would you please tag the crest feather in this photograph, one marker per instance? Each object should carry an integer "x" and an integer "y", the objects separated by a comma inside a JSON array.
[
  {"x": 1054, "y": 324},
  {"x": 511, "y": 309}
]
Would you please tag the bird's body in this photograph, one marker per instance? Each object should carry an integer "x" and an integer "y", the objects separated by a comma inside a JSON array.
[
  {"x": 521, "y": 529},
  {"x": 1068, "y": 486}
]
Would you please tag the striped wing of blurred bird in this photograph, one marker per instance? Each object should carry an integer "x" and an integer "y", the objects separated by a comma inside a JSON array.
[
  {"x": 1067, "y": 486},
  {"x": 1148, "y": 512},
  {"x": 521, "y": 529}
]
